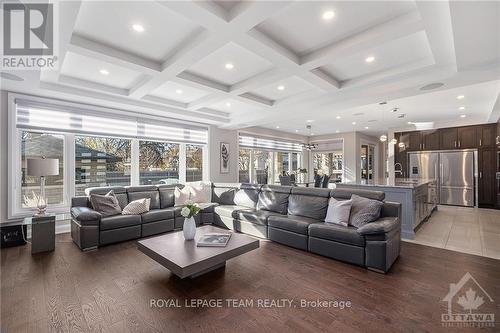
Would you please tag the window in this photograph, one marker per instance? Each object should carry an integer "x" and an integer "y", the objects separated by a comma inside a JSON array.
[
  {"x": 194, "y": 163},
  {"x": 262, "y": 167},
  {"x": 281, "y": 164},
  {"x": 158, "y": 163},
  {"x": 244, "y": 165},
  {"x": 330, "y": 164},
  {"x": 101, "y": 161},
  {"x": 38, "y": 145}
]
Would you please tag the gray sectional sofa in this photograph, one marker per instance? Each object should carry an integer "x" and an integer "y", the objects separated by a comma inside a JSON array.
[{"x": 288, "y": 215}]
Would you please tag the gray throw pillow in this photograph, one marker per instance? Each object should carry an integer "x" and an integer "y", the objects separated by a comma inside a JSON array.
[
  {"x": 338, "y": 211},
  {"x": 106, "y": 204},
  {"x": 364, "y": 210}
]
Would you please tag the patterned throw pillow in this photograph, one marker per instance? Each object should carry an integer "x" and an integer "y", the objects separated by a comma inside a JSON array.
[
  {"x": 364, "y": 210},
  {"x": 338, "y": 211},
  {"x": 137, "y": 207},
  {"x": 106, "y": 205}
]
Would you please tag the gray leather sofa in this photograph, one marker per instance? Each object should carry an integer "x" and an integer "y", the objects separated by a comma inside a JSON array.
[{"x": 288, "y": 215}]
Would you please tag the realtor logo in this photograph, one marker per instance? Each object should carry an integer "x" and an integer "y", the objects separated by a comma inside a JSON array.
[
  {"x": 467, "y": 297},
  {"x": 28, "y": 36}
]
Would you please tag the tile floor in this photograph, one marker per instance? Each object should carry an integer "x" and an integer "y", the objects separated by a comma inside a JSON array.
[{"x": 462, "y": 229}]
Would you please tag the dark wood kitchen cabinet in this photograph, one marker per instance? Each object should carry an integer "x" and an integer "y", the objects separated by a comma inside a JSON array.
[
  {"x": 430, "y": 140},
  {"x": 487, "y": 177},
  {"x": 466, "y": 137},
  {"x": 486, "y": 135},
  {"x": 448, "y": 138},
  {"x": 400, "y": 156},
  {"x": 414, "y": 141}
]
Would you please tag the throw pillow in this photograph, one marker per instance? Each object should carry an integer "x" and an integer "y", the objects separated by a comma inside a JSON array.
[
  {"x": 137, "y": 207},
  {"x": 200, "y": 192},
  {"x": 364, "y": 210},
  {"x": 181, "y": 197},
  {"x": 106, "y": 205},
  {"x": 338, "y": 211}
]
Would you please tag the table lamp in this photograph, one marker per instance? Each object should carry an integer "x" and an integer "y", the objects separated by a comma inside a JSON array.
[{"x": 42, "y": 167}]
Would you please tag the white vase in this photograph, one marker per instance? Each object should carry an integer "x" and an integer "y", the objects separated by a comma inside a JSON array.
[{"x": 189, "y": 228}]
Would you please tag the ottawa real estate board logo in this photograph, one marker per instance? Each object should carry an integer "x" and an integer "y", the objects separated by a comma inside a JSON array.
[
  {"x": 29, "y": 36},
  {"x": 468, "y": 305}
]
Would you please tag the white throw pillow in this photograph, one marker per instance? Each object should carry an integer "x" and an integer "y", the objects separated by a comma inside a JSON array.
[
  {"x": 201, "y": 192},
  {"x": 338, "y": 212},
  {"x": 181, "y": 197},
  {"x": 137, "y": 207}
]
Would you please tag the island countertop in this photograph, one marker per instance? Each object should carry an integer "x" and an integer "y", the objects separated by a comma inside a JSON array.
[{"x": 397, "y": 182}]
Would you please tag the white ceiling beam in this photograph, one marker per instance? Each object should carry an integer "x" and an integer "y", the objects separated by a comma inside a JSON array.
[
  {"x": 164, "y": 101},
  {"x": 92, "y": 85},
  {"x": 401, "y": 26},
  {"x": 68, "y": 13},
  {"x": 96, "y": 50},
  {"x": 259, "y": 80},
  {"x": 257, "y": 99},
  {"x": 164, "y": 111}
]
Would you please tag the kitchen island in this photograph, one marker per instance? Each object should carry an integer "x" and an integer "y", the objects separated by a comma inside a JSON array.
[{"x": 418, "y": 198}]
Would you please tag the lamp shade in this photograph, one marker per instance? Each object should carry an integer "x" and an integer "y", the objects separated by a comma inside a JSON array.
[{"x": 41, "y": 167}]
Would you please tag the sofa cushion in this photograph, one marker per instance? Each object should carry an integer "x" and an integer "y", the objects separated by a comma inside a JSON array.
[
  {"x": 337, "y": 233},
  {"x": 338, "y": 212},
  {"x": 364, "y": 210},
  {"x": 119, "y": 191},
  {"x": 309, "y": 202},
  {"x": 158, "y": 215},
  {"x": 182, "y": 196},
  {"x": 247, "y": 195},
  {"x": 137, "y": 207},
  {"x": 167, "y": 195},
  {"x": 274, "y": 198},
  {"x": 119, "y": 221},
  {"x": 208, "y": 207},
  {"x": 200, "y": 191},
  {"x": 297, "y": 224},
  {"x": 106, "y": 205},
  {"x": 254, "y": 216},
  {"x": 346, "y": 193},
  {"x": 144, "y": 192},
  {"x": 223, "y": 193},
  {"x": 227, "y": 210}
]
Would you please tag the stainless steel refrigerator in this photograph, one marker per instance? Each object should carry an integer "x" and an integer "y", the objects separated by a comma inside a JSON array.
[{"x": 453, "y": 170}]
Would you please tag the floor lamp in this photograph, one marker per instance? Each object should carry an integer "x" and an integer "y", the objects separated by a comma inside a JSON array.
[{"x": 42, "y": 167}]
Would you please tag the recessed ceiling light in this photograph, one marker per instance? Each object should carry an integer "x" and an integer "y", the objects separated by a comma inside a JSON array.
[
  {"x": 229, "y": 66},
  {"x": 463, "y": 116},
  {"x": 228, "y": 104},
  {"x": 277, "y": 127},
  {"x": 337, "y": 117},
  {"x": 354, "y": 123},
  {"x": 460, "y": 97},
  {"x": 138, "y": 27},
  {"x": 366, "y": 127},
  {"x": 104, "y": 72},
  {"x": 432, "y": 86},
  {"x": 328, "y": 15},
  {"x": 337, "y": 131},
  {"x": 296, "y": 131},
  {"x": 409, "y": 123},
  {"x": 462, "y": 108},
  {"x": 281, "y": 88},
  {"x": 370, "y": 59},
  {"x": 312, "y": 133},
  {"x": 178, "y": 91},
  {"x": 309, "y": 120}
]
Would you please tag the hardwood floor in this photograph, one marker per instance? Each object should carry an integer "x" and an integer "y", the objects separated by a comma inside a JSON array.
[{"x": 109, "y": 290}]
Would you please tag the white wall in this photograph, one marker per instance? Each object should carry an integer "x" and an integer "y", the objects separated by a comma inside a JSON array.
[
  {"x": 3, "y": 156},
  {"x": 216, "y": 136}
]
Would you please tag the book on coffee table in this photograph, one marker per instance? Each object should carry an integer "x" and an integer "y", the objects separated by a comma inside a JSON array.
[{"x": 214, "y": 240}]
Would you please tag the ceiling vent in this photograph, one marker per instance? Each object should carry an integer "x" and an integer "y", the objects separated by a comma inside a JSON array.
[{"x": 402, "y": 115}]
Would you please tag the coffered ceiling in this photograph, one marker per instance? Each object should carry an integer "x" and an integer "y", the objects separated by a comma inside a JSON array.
[{"x": 237, "y": 64}]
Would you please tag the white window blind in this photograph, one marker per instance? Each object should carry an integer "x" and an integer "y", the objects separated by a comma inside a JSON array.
[
  {"x": 255, "y": 142},
  {"x": 56, "y": 118}
]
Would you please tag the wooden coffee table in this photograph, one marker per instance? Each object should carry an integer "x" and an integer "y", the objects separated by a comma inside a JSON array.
[{"x": 185, "y": 259}]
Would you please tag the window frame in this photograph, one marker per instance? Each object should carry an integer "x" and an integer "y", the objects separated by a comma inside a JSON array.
[{"x": 14, "y": 202}]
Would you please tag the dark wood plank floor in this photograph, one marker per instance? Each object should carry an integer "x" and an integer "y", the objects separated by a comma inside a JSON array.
[{"x": 109, "y": 290}]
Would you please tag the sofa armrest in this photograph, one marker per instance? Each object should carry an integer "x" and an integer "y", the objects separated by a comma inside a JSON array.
[
  {"x": 381, "y": 226},
  {"x": 81, "y": 201},
  {"x": 86, "y": 216}
]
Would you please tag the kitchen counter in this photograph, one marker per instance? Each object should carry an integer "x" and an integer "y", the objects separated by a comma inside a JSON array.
[
  {"x": 397, "y": 182},
  {"x": 418, "y": 198}
]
